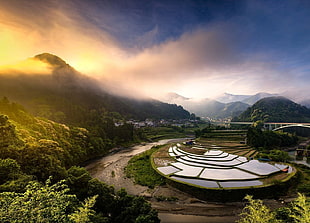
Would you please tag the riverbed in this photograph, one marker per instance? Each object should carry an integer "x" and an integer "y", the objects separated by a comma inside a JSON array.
[{"x": 110, "y": 169}]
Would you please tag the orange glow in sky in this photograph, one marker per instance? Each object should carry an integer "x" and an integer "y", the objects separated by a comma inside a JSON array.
[
  {"x": 29, "y": 66},
  {"x": 201, "y": 61}
]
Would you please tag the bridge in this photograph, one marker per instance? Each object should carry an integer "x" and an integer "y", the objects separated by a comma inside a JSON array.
[
  {"x": 302, "y": 129},
  {"x": 281, "y": 125}
]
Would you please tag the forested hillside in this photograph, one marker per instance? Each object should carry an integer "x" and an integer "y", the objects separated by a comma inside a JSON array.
[
  {"x": 275, "y": 109},
  {"x": 34, "y": 149},
  {"x": 67, "y": 96},
  {"x": 43, "y": 147}
]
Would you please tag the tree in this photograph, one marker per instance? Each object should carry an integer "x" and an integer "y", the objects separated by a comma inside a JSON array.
[
  {"x": 301, "y": 209},
  {"x": 9, "y": 168},
  {"x": 256, "y": 212},
  {"x": 44, "y": 203},
  {"x": 82, "y": 214},
  {"x": 131, "y": 209}
]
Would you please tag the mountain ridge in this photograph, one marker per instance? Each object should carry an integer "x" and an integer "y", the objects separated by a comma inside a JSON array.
[
  {"x": 207, "y": 107},
  {"x": 68, "y": 91},
  {"x": 275, "y": 109}
]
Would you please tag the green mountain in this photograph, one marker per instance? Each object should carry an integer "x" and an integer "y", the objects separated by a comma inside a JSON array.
[
  {"x": 41, "y": 147},
  {"x": 67, "y": 95},
  {"x": 34, "y": 150},
  {"x": 232, "y": 109},
  {"x": 275, "y": 109}
]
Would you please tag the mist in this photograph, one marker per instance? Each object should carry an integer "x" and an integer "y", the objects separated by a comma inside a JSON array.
[{"x": 202, "y": 61}]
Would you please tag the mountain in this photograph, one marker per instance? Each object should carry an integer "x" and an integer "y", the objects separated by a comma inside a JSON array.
[
  {"x": 247, "y": 99},
  {"x": 228, "y": 98},
  {"x": 172, "y": 97},
  {"x": 254, "y": 98},
  {"x": 275, "y": 109},
  {"x": 67, "y": 96},
  {"x": 233, "y": 109},
  {"x": 207, "y": 107},
  {"x": 305, "y": 103}
]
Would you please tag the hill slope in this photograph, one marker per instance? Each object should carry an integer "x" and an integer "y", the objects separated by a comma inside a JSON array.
[
  {"x": 275, "y": 109},
  {"x": 66, "y": 96}
]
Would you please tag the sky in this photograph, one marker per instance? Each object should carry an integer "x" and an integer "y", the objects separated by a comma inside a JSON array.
[{"x": 196, "y": 48}]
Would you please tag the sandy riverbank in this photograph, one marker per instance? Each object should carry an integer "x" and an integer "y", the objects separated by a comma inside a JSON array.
[{"x": 186, "y": 208}]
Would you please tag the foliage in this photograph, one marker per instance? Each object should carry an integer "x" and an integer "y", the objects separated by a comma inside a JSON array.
[
  {"x": 84, "y": 212},
  {"x": 275, "y": 155},
  {"x": 304, "y": 186},
  {"x": 164, "y": 132},
  {"x": 301, "y": 209},
  {"x": 33, "y": 147},
  {"x": 44, "y": 203},
  {"x": 275, "y": 109},
  {"x": 68, "y": 96},
  {"x": 131, "y": 209},
  {"x": 9, "y": 169},
  {"x": 83, "y": 185},
  {"x": 268, "y": 139},
  {"x": 110, "y": 206},
  {"x": 139, "y": 167},
  {"x": 257, "y": 212}
]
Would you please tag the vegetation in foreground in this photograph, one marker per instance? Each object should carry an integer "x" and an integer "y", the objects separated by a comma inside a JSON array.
[
  {"x": 304, "y": 185},
  {"x": 33, "y": 149},
  {"x": 257, "y": 212},
  {"x": 78, "y": 198}
]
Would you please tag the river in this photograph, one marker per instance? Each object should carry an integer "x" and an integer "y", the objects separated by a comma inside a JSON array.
[
  {"x": 110, "y": 169},
  {"x": 97, "y": 165},
  {"x": 115, "y": 162}
]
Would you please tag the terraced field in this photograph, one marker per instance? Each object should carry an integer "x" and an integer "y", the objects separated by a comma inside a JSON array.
[
  {"x": 222, "y": 161},
  {"x": 216, "y": 168}
]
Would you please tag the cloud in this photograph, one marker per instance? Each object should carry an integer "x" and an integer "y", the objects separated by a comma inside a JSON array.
[
  {"x": 200, "y": 53},
  {"x": 32, "y": 27},
  {"x": 30, "y": 66},
  {"x": 212, "y": 58}
]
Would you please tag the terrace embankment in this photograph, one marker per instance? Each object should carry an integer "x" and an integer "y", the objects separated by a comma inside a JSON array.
[
  {"x": 173, "y": 205},
  {"x": 222, "y": 169}
]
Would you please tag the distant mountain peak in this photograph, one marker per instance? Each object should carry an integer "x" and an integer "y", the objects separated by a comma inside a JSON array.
[
  {"x": 173, "y": 95},
  {"x": 248, "y": 99},
  {"x": 61, "y": 71},
  {"x": 51, "y": 59},
  {"x": 227, "y": 97}
]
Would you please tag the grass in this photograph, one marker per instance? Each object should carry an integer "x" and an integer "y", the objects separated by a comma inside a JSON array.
[
  {"x": 140, "y": 169},
  {"x": 304, "y": 186},
  {"x": 163, "y": 133}
]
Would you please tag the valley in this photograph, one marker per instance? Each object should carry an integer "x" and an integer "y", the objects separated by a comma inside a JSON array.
[
  {"x": 51, "y": 123},
  {"x": 183, "y": 206},
  {"x": 130, "y": 111}
]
